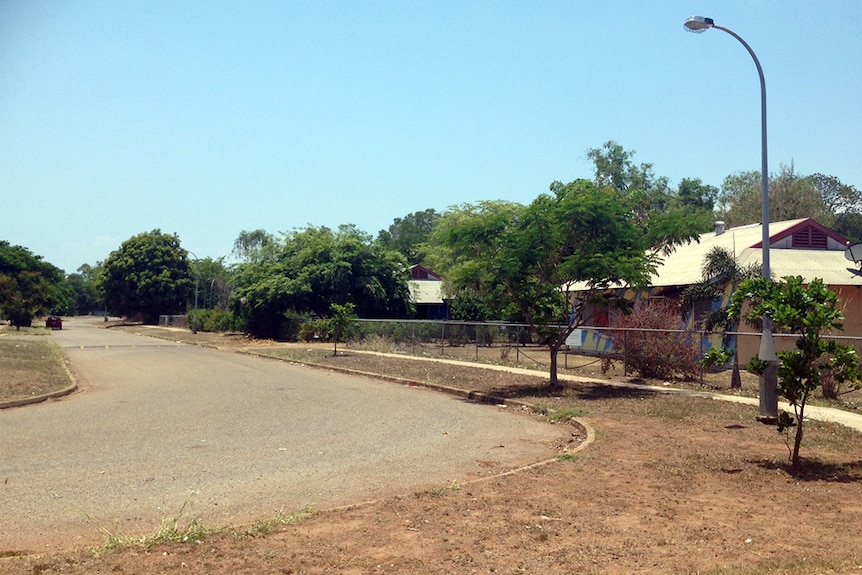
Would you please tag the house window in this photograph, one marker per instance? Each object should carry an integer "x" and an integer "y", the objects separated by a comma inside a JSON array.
[{"x": 811, "y": 238}]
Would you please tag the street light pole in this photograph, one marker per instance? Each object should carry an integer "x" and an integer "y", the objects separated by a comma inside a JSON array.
[{"x": 769, "y": 379}]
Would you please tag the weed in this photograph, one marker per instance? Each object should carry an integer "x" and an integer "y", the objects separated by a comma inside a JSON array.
[
  {"x": 567, "y": 457},
  {"x": 567, "y": 414},
  {"x": 441, "y": 491},
  {"x": 263, "y": 527},
  {"x": 169, "y": 531}
]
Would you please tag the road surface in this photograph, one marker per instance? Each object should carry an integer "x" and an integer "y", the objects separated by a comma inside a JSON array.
[{"x": 159, "y": 427}]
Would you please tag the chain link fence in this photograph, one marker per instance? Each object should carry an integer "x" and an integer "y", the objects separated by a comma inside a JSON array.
[{"x": 513, "y": 343}]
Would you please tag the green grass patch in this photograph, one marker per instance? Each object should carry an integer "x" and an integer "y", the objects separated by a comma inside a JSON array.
[{"x": 566, "y": 413}]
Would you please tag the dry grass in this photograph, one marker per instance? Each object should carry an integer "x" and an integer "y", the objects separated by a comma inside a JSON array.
[
  {"x": 30, "y": 366},
  {"x": 672, "y": 484}
]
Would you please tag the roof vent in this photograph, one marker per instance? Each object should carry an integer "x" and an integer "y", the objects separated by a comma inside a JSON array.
[{"x": 719, "y": 228}]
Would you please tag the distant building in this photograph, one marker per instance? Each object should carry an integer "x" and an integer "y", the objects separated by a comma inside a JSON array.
[
  {"x": 426, "y": 293},
  {"x": 800, "y": 247}
]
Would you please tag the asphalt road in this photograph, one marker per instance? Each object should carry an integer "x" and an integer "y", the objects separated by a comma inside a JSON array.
[{"x": 159, "y": 427}]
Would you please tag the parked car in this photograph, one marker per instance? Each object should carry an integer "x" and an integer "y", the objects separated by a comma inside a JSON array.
[{"x": 54, "y": 322}]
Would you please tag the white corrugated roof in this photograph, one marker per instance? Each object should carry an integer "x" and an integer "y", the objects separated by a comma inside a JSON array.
[
  {"x": 426, "y": 291},
  {"x": 683, "y": 267},
  {"x": 829, "y": 265}
]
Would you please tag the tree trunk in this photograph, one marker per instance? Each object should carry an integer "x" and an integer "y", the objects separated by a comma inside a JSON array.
[
  {"x": 554, "y": 381},
  {"x": 735, "y": 378},
  {"x": 797, "y": 441}
]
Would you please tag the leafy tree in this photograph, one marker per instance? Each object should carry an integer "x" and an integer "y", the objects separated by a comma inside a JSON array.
[
  {"x": 409, "y": 234},
  {"x": 83, "y": 286},
  {"x": 692, "y": 192},
  {"x": 845, "y": 201},
  {"x": 465, "y": 238},
  {"x": 313, "y": 268},
  {"x": 28, "y": 285},
  {"x": 248, "y": 246},
  {"x": 810, "y": 312},
  {"x": 648, "y": 195},
  {"x": 341, "y": 317},
  {"x": 838, "y": 197},
  {"x": 520, "y": 257},
  {"x": 615, "y": 168},
  {"x": 215, "y": 283},
  {"x": 147, "y": 276},
  {"x": 791, "y": 196}
]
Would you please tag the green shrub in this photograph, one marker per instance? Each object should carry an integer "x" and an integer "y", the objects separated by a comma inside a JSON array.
[{"x": 215, "y": 320}]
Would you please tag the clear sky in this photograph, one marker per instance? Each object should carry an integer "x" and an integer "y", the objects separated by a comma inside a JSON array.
[{"x": 208, "y": 118}]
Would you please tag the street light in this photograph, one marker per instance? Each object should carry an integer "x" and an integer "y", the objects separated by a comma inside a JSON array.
[{"x": 768, "y": 380}]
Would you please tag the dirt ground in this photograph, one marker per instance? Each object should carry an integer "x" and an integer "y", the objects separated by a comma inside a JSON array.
[{"x": 671, "y": 484}]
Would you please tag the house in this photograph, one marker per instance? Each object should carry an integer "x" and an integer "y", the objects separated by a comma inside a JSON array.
[
  {"x": 801, "y": 247},
  {"x": 426, "y": 293}
]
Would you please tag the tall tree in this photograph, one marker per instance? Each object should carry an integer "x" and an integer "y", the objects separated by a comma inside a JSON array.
[
  {"x": 215, "y": 282},
  {"x": 313, "y": 268},
  {"x": 147, "y": 276},
  {"x": 791, "y": 196},
  {"x": 647, "y": 194},
  {"x": 250, "y": 245},
  {"x": 83, "y": 285},
  {"x": 692, "y": 192},
  {"x": 843, "y": 200},
  {"x": 28, "y": 285},
  {"x": 521, "y": 257},
  {"x": 409, "y": 234}
]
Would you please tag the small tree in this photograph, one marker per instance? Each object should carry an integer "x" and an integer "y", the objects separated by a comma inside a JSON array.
[
  {"x": 340, "y": 320},
  {"x": 807, "y": 311}
]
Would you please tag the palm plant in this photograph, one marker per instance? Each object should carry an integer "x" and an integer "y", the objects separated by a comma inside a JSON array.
[{"x": 720, "y": 269}]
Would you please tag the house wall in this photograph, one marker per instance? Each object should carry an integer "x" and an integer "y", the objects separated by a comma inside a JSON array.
[{"x": 849, "y": 301}]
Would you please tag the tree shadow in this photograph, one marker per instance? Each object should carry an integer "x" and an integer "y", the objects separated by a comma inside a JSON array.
[
  {"x": 599, "y": 392},
  {"x": 586, "y": 392},
  {"x": 814, "y": 470}
]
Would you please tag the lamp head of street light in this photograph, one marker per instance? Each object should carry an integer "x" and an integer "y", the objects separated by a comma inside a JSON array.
[{"x": 698, "y": 24}]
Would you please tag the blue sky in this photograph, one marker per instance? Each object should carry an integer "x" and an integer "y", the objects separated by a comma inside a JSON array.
[{"x": 208, "y": 118}]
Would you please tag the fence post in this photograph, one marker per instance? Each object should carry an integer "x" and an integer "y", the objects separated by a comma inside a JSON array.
[
  {"x": 625, "y": 351},
  {"x": 442, "y": 338},
  {"x": 413, "y": 338},
  {"x": 518, "y": 346}
]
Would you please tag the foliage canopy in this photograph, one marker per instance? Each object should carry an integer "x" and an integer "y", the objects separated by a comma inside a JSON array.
[
  {"x": 519, "y": 258},
  {"x": 147, "y": 276},
  {"x": 313, "y": 268},
  {"x": 28, "y": 285}
]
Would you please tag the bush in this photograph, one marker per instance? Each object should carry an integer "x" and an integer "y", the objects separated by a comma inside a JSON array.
[
  {"x": 314, "y": 330},
  {"x": 215, "y": 320},
  {"x": 656, "y": 354}
]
